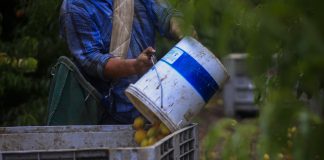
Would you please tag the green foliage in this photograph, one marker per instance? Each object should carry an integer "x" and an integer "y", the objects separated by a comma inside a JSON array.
[
  {"x": 22, "y": 65},
  {"x": 284, "y": 41},
  {"x": 277, "y": 136},
  {"x": 285, "y": 47},
  {"x": 25, "y": 61},
  {"x": 229, "y": 139}
]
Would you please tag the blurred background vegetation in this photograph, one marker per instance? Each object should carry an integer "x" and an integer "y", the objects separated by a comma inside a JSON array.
[
  {"x": 29, "y": 44},
  {"x": 285, "y": 46}
]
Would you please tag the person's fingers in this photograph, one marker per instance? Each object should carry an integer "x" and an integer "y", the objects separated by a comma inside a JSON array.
[
  {"x": 144, "y": 60},
  {"x": 149, "y": 51},
  {"x": 147, "y": 55},
  {"x": 147, "y": 60}
]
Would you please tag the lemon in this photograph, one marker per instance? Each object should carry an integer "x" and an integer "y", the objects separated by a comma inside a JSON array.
[
  {"x": 138, "y": 123},
  {"x": 139, "y": 136}
]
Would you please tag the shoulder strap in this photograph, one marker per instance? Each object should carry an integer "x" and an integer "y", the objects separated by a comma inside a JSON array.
[{"x": 122, "y": 27}]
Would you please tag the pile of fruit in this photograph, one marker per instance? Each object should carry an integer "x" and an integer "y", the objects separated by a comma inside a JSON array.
[{"x": 146, "y": 137}]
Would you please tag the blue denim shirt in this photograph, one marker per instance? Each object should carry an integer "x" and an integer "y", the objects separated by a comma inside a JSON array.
[{"x": 86, "y": 25}]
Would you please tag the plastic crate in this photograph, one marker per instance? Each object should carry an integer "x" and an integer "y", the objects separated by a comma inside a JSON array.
[
  {"x": 106, "y": 142},
  {"x": 238, "y": 91}
]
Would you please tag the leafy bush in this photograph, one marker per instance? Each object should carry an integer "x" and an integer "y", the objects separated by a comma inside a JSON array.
[
  {"x": 285, "y": 47},
  {"x": 25, "y": 60},
  {"x": 284, "y": 42}
]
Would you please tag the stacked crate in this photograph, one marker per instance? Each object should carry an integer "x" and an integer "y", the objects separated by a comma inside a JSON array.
[{"x": 238, "y": 91}]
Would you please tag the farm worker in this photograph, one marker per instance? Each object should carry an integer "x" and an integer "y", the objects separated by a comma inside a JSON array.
[{"x": 87, "y": 26}]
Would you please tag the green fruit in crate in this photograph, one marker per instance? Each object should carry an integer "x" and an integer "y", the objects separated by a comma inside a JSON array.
[
  {"x": 139, "y": 136},
  {"x": 144, "y": 143},
  {"x": 152, "y": 132},
  {"x": 164, "y": 130},
  {"x": 151, "y": 141}
]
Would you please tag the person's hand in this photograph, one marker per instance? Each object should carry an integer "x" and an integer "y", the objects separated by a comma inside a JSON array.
[
  {"x": 177, "y": 26},
  {"x": 143, "y": 61}
]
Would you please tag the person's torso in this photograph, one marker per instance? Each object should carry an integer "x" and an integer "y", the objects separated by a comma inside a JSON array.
[{"x": 142, "y": 36}]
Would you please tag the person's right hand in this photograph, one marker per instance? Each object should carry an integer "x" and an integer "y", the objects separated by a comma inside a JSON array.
[{"x": 143, "y": 61}]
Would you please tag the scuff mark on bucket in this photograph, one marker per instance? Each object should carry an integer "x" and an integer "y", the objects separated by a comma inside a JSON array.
[{"x": 165, "y": 77}]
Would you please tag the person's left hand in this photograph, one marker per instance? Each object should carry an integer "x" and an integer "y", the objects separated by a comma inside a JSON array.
[{"x": 177, "y": 26}]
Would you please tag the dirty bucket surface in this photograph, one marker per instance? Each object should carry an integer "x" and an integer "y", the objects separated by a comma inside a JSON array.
[{"x": 189, "y": 75}]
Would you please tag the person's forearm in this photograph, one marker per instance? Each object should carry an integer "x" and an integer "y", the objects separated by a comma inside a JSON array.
[{"x": 117, "y": 68}]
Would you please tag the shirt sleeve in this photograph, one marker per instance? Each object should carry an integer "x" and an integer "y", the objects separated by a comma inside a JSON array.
[
  {"x": 84, "y": 41},
  {"x": 161, "y": 13}
]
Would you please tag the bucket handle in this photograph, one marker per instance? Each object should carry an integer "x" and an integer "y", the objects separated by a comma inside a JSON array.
[{"x": 153, "y": 59}]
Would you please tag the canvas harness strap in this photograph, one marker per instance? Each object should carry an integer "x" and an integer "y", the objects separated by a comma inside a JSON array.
[
  {"x": 120, "y": 39},
  {"x": 122, "y": 27}
]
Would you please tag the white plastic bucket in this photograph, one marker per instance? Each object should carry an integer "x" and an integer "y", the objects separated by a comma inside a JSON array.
[{"x": 190, "y": 75}]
